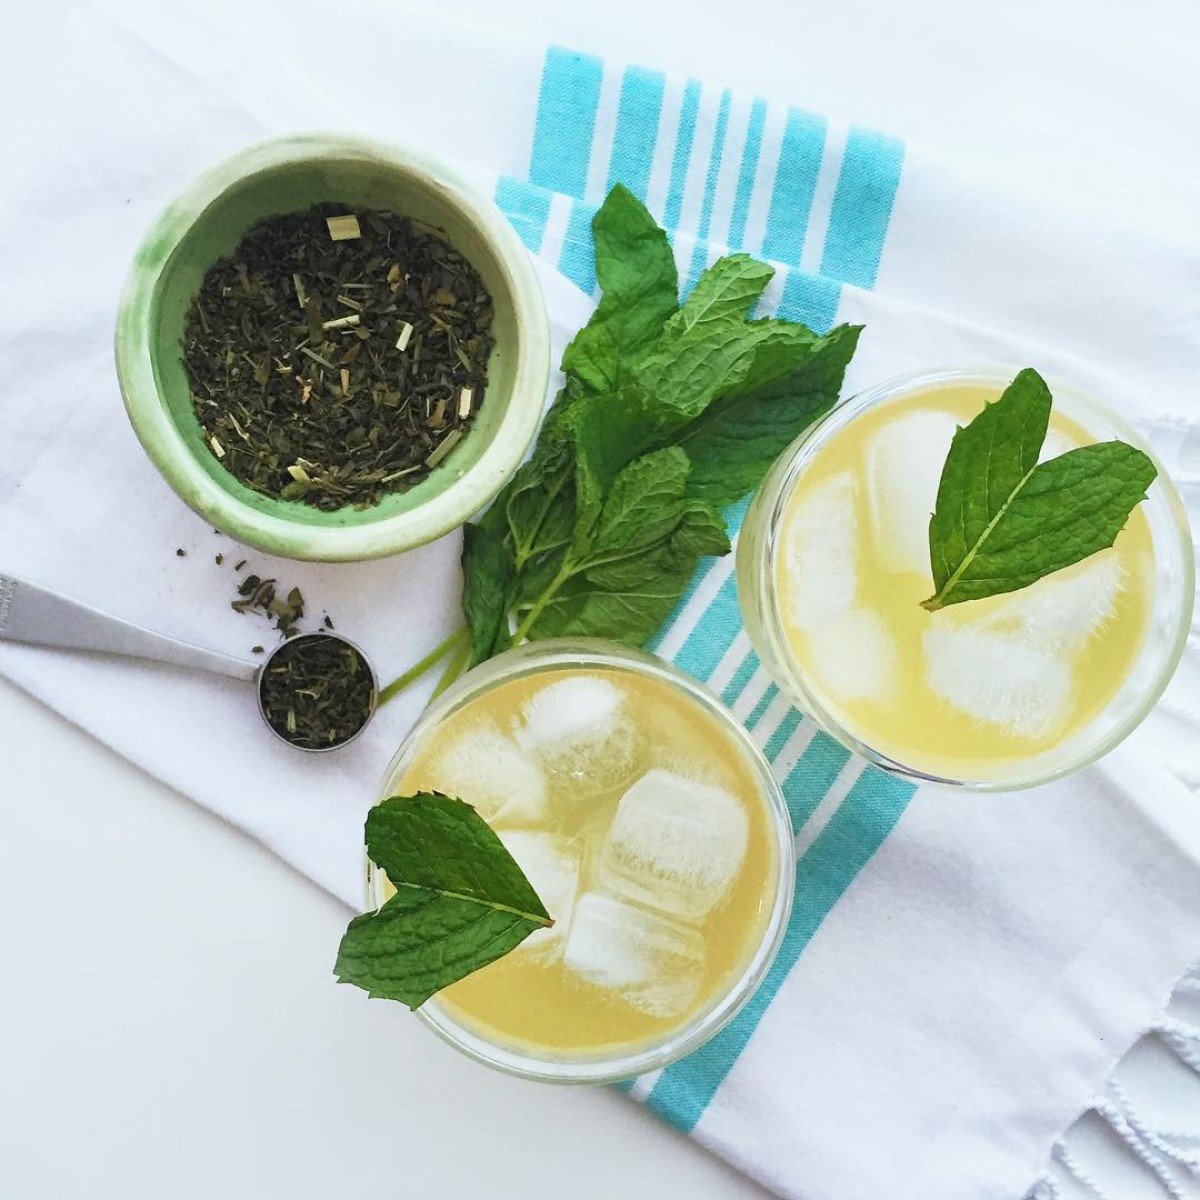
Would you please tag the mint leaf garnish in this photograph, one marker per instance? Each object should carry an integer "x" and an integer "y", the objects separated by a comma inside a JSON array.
[
  {"x": 1003, "y": 520},
  {"x": 461, "y": 901}
]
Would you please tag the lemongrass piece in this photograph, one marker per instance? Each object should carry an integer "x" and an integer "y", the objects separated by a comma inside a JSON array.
[
  {"x": 343, "y": 229},
  {"x": 444, "y": 447}
]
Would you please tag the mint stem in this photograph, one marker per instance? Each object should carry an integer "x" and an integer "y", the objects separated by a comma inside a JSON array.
[
  {"x": 452, "y": 672},
  {"x": 456, "y": 641},
  {"x": 536, "y": 611}
]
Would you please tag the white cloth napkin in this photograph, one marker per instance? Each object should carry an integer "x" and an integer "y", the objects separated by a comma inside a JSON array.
[{"x": 964, "y": 972}]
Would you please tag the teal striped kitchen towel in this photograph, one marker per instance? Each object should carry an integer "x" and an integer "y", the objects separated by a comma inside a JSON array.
[
  {"x": 960, "y": 974},
  {"x": 726, "y": 172}
]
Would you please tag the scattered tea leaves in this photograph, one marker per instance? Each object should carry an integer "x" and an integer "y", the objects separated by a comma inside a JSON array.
[{"x": 334, "y": 363}]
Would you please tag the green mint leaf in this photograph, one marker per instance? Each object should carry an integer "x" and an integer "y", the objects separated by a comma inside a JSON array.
[
  {"x": 1003, "y": 520},
  {"x": 461, "y": 901},
  {"x": 609, "y": 430},
  {"x": 644, "y": 505},
  {"x": 488, "y": 576},
  {"x": 685, "y": 374},
  {"x": 729, "y": 288},
  {"x": 639, "y": 286},
  {"x": 539, "y": 510},
  {"x": 627, "y": 596},
  {"x": 733, "y": 443}
]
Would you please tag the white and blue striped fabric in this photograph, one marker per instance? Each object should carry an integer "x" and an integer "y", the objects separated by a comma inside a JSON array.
[
  {"x": 724, "y": 172},
  {"x": 960, "y": 974}
]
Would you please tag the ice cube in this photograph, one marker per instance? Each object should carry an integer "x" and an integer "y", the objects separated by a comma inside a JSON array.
[
  {"x": 1062, "y": 611},
  {"x": 551, "y": 864},
  {"x": 581, "y": 727},
  {"x": 998, "y": 678},
  {"x": 675, "y": 843},
  {"x": 904, "y": 463},
  {"x": 485, "y": 767},
  {"x": 819, "y": 553},
  {"x": 653, "y": 964},
  {"x": 854, "y": 657}
]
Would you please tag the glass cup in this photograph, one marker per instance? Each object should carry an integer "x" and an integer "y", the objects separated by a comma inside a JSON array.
[
  {"x": 1168, "y": 626},
  {"x": 544, "y": 658}
]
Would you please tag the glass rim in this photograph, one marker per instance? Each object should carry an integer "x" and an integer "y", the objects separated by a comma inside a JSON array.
[
  {"x": 544, "y": 1066},
  {"x": 777, "y": 490}
]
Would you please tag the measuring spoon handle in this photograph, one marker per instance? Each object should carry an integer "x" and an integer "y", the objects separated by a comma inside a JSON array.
[{"x": 40, "y": 617}]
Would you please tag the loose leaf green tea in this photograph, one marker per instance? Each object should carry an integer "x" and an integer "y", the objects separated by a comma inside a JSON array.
[
  {"x": 461, "y": 901},
  {"x": 334, "y": 358},
  {"x": 317, "y": 691},
  {"x": 1003, "y": 520}
]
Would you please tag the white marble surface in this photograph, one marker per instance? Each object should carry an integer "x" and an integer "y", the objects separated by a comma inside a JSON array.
[{"x": 168, "y": 1023}]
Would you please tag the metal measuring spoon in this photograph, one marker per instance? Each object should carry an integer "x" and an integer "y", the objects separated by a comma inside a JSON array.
[{"x": 40, "y": 617}]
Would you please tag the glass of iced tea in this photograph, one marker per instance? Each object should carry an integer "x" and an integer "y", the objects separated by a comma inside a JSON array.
[
  {"x": 653, "y": 830},
  {"x": 997, "y": 693}
]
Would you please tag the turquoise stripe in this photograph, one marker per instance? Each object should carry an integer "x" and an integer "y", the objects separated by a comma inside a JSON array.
[
  {"x": 854, "y": 833},
  {"x": 813, "y": 776},
  {"x": 566, "y": 119},
  {"x": 862, "y": 207},
  {"x": 812, "y": 299},
  {"x": 800, "y": 154},
  {"x": 700, "y": 253},
  {"x": 705, "y": 646},
  {"x": 764, "y": 702},
  {"x": 578, "y": 258},
  {"x": 624, "y": 1085},
  {"x": 746, "y": 177},
  {"x": 637, "y": 129},
  {"x": 741, "y": 677},
  {"x": 526, "y": 209},
  {"x": 777, "y": 740},
  {"x": 688, "y": 109},
  {"x": 698, "y": 577}
]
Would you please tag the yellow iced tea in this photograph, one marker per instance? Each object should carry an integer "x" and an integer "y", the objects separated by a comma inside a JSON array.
[
  {"x": 643, "y": 827},
  {"x": 965, "y": 690}
]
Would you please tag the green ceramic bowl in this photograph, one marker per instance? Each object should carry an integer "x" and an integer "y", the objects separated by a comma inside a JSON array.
[{"x": 208, "y": 221}]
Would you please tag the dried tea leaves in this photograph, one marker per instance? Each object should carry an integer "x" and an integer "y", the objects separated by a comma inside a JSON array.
[
  {"x": 317, "y": 691},
  {"x": 337, "y": 357}
]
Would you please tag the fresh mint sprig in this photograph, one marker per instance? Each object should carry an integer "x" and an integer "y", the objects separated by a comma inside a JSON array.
[
  {"x": 461, "y": 901},
  {"x": 669, "y": 414},
  {"x": 1003, "y": 520}
]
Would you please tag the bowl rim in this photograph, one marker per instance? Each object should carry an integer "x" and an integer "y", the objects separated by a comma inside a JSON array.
[{"x": 272, "y": 532}]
